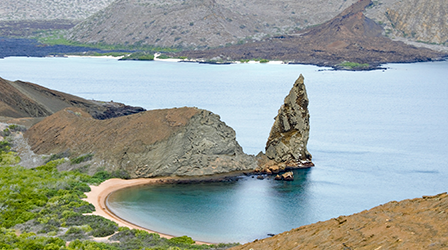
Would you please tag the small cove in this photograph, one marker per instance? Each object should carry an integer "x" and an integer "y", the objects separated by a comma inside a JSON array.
[{"x": 376, "y": 136}]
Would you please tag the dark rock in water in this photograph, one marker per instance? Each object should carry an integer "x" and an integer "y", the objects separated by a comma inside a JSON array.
[
  {"x": 278, "y": 177},
  {"x": 289, "y": 135},
  {"x": 260, "y": 177}
]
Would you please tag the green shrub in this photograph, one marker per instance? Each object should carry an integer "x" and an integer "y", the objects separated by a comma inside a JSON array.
[
  {"x": 81, "y": 158},
  {"x": 140, "y": 56},
  {"x": 163, "y": 56},
  {"x": 58, "y": 156},
  {"x": 353, "y": 65},
  {"x": 183, "y": 240}
]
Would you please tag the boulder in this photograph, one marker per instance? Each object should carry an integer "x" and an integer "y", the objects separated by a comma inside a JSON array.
[
  {"x": 289, "y": 135},
  {"x": 288, "y": 176}
]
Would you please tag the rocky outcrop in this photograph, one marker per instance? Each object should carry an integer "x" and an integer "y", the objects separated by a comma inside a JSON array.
[
  {"x": 20, "y": 99},
  {"x": 170, "y": 142},
  {"x": 409, "y": 224},
  {"x": 289, "y": 135},
  {"x": 415, "y": 20}
]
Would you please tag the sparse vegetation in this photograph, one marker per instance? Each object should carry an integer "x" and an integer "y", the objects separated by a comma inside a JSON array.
[
  {"x": 42, "y": 208},
  {"x": 354, "y": 65},
  {"x": 81, "y": 158},
  {"x": 57, "y": 38},
  {"x": 139, "y": 56}
]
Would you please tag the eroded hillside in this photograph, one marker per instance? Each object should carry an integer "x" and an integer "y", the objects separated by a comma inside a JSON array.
[
  {"x": 350, "y": 36},
  {"x": 409, "y": 224},
  {"x": 201, "y": 23},
  {"x": 415, "y": 20}
]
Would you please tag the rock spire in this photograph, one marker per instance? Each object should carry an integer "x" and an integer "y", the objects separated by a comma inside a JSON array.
[{"x": 289, "y": 135}]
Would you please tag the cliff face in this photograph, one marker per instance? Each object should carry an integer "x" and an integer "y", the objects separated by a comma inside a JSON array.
[
  {"x": 171, "y": 142},
  {"x": 201, "y": 23},
  {"x": 416, "y": 20},
  {"x": 289, "y": 135},
  {"x": 409, "y": 224}
]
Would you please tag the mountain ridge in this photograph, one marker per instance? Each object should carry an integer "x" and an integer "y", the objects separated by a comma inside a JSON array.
[{"x": 350, "y": 36}]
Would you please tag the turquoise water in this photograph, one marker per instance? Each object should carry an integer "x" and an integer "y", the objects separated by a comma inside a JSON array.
[{"x": 376, "y": 136}]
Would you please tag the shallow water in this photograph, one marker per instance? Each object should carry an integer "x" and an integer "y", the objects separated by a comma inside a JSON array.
[{"x": 375, "y": 136}]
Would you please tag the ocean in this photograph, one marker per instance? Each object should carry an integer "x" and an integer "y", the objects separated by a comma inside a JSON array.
[{"x": 376, "y": 136}]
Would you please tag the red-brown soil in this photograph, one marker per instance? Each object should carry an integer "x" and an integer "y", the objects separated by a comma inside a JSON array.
[
  {"x": 350, "y": 36},
  {"x": 78, "y": 131},
  {"x": 420, "y": 223}
]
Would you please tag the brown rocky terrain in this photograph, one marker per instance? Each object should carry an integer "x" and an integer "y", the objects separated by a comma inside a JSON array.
[
  {"x": 350, "y": 36},
  {"x": 415, "y": 20},
  {"x": 170, "y": 142},
  {"x": 409, "y": 224},
  {"x": 20, "y": 99},
  {"x": 201, "y": 23}
]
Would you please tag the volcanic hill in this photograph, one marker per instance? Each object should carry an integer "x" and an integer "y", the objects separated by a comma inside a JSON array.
[
  {"x": 201, "y": 23},
  {"x": 350, "y": 36}
]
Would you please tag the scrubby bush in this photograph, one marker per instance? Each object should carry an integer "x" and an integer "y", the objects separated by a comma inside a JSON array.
[
  {"x": 81, "y": 158},
  {"x": 57, "y": 156}
]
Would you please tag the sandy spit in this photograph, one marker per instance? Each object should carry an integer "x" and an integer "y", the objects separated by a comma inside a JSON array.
[{"x": 98, "y": 196}]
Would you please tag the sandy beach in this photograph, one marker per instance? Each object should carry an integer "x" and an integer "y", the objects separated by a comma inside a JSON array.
[{"x": 98, "y": 196}]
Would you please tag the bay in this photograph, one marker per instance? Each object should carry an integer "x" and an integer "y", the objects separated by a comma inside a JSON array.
[{"x": 376, "y": 136}]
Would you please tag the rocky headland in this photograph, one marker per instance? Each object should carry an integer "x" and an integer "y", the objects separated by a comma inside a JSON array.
[
  {"x": 408, "y": 224},
  {"x": 138, "y": 143},
  {"x": 170, "y": 142}
]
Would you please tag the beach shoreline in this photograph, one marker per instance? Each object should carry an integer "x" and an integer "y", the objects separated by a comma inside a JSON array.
[{"x": 99, "y": 194}]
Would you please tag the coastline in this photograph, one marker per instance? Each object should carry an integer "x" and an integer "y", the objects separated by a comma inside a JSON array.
[{"x": 98, "y": 197}]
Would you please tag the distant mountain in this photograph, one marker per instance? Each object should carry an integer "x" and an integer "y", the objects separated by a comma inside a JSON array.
[
  {"x": 14, "y": 10},
  {"x": 417, "y": 20},
  {"x": 201, "y": 23},
  {"x": 20, "y": 99},
  {"x": 350, "y": 36}
]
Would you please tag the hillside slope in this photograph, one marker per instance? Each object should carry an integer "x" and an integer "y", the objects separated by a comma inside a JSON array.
[
  {"x": 350, "y": 36},
  {"x": 49, "y": 9},
  {"x": 409, "y": 224},
  {"x": 20, "y": 99},
  {"x": 169, "y": 142},
  {"x": 415, "y": 20},
  {"x": 201, "y": 23}
]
